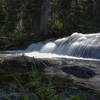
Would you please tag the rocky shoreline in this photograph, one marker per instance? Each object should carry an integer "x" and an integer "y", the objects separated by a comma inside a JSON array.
[{"x": 72, "y": 73}]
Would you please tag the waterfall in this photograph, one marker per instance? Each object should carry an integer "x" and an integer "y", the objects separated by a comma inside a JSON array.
[{"x": 77, "y": 45}]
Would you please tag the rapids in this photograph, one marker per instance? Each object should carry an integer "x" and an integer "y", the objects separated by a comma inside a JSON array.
[{"x": 78, "y": 45}]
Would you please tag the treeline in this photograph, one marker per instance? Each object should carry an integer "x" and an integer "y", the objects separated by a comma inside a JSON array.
[
  {"x": 19, "y": 14},
  {"x": 23, "y": 18},
  {"x": 75, "y": 15}
]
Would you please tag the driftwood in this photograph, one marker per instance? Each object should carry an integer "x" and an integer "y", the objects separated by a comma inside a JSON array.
[{"x": 76, "y": 72}]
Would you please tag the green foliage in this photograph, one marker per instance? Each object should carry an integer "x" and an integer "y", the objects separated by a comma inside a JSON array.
[
  {"x": 77, "y": 97},
  {"x": 2, "y": 12},
  {"x": 19, "y": 36},
  {"x": 4, "y": 28},
  {"x": 74, "y": 16},
  {"x": 39, "y": 92},
  {"x": 22, "y": 89},
  {"x": 33, "y": 88},
  {"x": 19, "y": 19},
  {"x": 62, "y": 12},
  {"x": 56, "y": 27},
  {"x": 46, "y": 93},
  {"x": 34, "y": 78}
]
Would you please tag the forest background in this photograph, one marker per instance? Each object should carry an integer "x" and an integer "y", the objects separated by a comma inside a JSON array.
[{"x": 25, "y": 21}]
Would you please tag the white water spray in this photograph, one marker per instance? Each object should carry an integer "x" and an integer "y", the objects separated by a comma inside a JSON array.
[{"x": 77, "y": 45}]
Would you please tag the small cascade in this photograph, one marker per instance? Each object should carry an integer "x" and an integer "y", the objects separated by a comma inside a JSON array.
[{"x": 76, "y": 45}]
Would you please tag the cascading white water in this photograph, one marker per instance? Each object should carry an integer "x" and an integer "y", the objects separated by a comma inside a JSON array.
[{"x": 76, "y": 45}]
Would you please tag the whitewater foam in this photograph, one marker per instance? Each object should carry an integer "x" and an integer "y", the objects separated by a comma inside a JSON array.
[{"x": 77, "y": 45}]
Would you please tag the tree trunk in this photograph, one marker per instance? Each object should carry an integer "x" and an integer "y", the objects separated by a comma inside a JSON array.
[
  {"x": 13, "y": 13},
  {"x": 44, "y": 16},
  {"x": 97, "y": 16}
]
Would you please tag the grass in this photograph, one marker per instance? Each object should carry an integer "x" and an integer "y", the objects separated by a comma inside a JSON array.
[
  {"x": 35, "y": 88},
  {"x": 42, "y": 93}
]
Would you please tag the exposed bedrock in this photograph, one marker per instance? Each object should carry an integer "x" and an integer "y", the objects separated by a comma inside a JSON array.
[{"x": 82, "y": 73}]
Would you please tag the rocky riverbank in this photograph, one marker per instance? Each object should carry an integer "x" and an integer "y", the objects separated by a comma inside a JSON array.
[{"x": 77, "y": 74}]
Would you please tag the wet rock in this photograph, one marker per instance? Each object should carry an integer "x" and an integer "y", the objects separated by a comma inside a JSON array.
[
  {"x": 86, "y": 72},
  {"x": 80, "y": 72}
]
